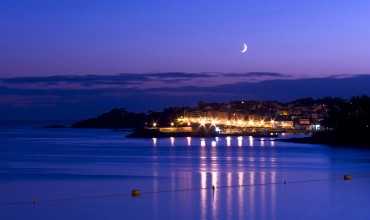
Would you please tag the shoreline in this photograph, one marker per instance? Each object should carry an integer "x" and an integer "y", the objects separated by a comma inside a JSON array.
[
  {"x": 329, "y": 142},
  {"x": 132, "y": 135},
  {"x": 146, "y": 133}
]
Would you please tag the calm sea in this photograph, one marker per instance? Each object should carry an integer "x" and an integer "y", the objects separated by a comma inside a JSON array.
[{"x": 89, "y": 174}]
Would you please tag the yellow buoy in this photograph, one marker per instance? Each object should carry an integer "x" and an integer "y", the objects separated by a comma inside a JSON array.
[
  {"x": 135, "y": 193},
  {"x": 347, "y": 177}
]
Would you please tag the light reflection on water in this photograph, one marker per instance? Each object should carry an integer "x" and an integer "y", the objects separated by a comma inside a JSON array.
[
  {"x": 229, "y": 194},
  {"x": 243, "y": 181},
  {"x": 203, "y": 195},
  {"x": 172, "y": 140},
  {"x": 202, "y": 142},
  {"x": 188, "y": 140},
  {"x": 251, "y": 141},
  {"x": 228, "y": 141},
  {"x": 240, "y": 141},
  {"x": 154, "y": 140}
]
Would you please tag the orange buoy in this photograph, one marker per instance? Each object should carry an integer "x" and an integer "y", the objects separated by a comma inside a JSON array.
[
  {"x": 347, "y": 177},
  {"x": 135, "y": 193}
]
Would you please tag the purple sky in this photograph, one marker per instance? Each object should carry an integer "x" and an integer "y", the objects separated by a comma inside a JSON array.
[
  {"x": 66, "y": 59},
  {"x": 300, "y": 38}
]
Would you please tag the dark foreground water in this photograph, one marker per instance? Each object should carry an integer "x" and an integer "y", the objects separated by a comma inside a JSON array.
[{"x": 88, "y": 174}]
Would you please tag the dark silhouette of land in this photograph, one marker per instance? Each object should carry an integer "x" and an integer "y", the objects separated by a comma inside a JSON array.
[
  {"x": 116, "y": 118},
  {"x": 347, "y": 123}
]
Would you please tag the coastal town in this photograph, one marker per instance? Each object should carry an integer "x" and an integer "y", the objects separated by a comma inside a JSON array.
[
  {"x": 325, "y": 120},
  {"x": 264, "y": 118}
]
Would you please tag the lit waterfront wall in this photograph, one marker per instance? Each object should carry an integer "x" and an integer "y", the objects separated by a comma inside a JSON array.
[
  {"x": 176, "y": 129},
  {"x": 239, "y": 123}
]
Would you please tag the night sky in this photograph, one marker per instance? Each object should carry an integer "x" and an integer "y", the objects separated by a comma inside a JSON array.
[
  {"x": 52, "y": 53},
  {"x": 112, "y": 36}
]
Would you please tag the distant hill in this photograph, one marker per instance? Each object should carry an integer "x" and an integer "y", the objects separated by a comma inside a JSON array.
[{"x": 116, "y": 118}]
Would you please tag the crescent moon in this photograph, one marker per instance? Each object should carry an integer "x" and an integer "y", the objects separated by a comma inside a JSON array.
[{"x": 245, "y": 48}]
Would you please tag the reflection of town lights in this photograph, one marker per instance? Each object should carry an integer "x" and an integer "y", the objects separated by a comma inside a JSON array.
[
  {"x": 154, "y": 141},
  {"x": 213, "y": 143},
  {"x": 272, "y": 143},
  {"x": 229, "y": 178},
  {"x": 240, "y": 178},
  {"x": 202, "y": 142},
  {"x": 172, "y": 139},
  {"x": 203, "y": 179},
  {"x": 250, "y": 141},
  {"x": 217, "y": 139},
  {"x": 240, "y": 141},
  {"x": 228, "y": 141},
  {"x": 263, "y": 177},
  {"x": 214, "y": 176},
  {"x": 262, "y": 142},
  {"x": 188, "y": 139}
]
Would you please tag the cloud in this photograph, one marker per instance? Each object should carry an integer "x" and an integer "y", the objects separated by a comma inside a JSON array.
[
  {"x": 179, "y": 75},
  {"x": 129, "y": 80},
  {"x": 286, "y": 89},
  {"x": 257, "y": 75},
  {"x": 124, "y": 79}
]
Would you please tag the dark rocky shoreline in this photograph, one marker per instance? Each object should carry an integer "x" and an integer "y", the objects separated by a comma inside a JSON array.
[{"x": 328, "y": 141}]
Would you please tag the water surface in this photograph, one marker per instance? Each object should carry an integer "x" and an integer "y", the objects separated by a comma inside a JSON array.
[{"x": 89, "y": 174}]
